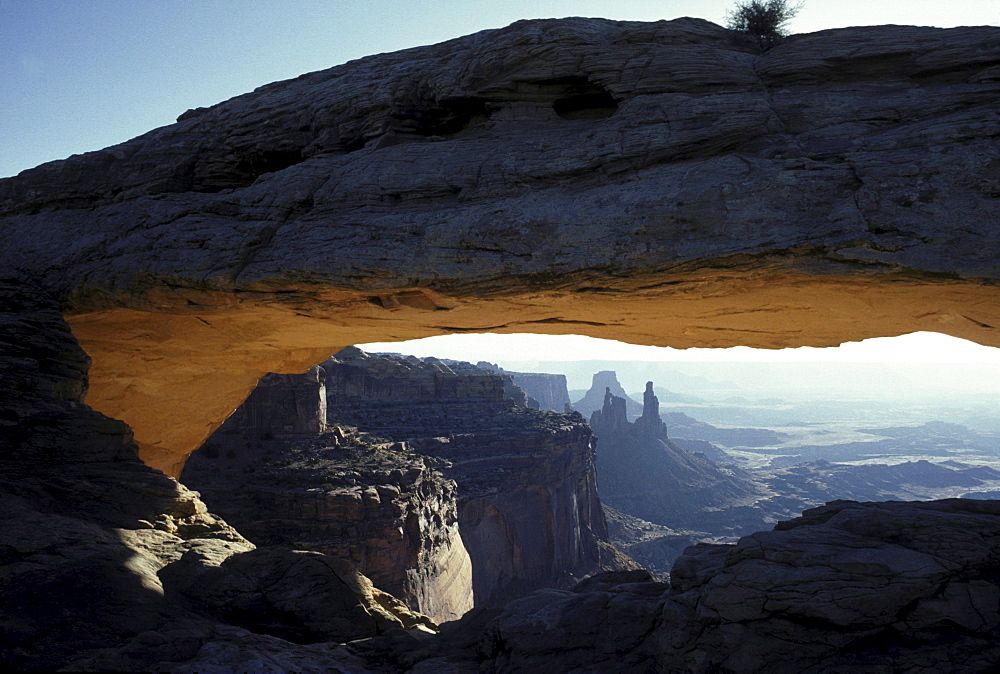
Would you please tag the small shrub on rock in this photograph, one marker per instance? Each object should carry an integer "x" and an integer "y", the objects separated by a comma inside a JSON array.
[{"x": 762, "y": 20}]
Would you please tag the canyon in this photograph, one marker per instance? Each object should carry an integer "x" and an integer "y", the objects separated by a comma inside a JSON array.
[
  {"x": 651, "y": 182},
  {"x": 453, "y": 464}
]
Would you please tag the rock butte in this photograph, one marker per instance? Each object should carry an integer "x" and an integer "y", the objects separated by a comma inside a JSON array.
[{"x": 657, "y": 183}]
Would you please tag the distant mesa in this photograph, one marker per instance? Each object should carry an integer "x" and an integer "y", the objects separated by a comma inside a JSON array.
[
  {"x": 548, "y": 391},
  {"x": 593, "y": 400}
]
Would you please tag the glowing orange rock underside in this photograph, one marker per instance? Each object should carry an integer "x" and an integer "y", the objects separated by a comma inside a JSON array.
[{"x": 175, "y": 367}]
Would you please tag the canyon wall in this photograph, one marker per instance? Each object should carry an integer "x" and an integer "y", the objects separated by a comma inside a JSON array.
[
  {"x": 462, "y": 466},
  {"x": 528, "y": 507},
  {"x": 548, "y": 389},
  {"x": 389, "y": 512},
  {"x": 283, "y": 405}
]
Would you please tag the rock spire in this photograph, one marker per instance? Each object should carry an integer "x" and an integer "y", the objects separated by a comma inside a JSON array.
[{"x": 650, "y": 422}]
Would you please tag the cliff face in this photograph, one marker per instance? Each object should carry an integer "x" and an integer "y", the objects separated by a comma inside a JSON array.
[
  {"x": 548, "y": 389},
  {"x": 514, "y": 486},
  {"x": 528, "y": 508},
  {"x": 386, "y": 510},
  {"x": 283, "y": 405},
  {"x": 642, "y": 473},
  {"x": 356, "y": 375}
]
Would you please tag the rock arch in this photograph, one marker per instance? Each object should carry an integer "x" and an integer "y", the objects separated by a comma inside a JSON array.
[
  {"x": 807, "y": 196},
  {"x": 176, "y": 373}
]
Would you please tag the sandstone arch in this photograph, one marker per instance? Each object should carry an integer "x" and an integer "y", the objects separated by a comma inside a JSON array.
[
  {"x": 836, "y": 188},
  {"x": 175, "y": 374}
]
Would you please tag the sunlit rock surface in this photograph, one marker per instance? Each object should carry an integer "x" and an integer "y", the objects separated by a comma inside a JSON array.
[{"x": 652, "y": 182}]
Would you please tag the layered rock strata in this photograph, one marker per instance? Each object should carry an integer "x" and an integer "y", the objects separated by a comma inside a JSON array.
[
  {"x": 388, "y": 511},
  {"x": 467, "y": 467},
  {"x": 283, "y": 405},
  {"x": 548, "y": 390},
  {"x": 528, "y": 508}
]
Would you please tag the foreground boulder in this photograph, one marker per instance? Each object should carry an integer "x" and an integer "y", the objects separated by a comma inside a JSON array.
[{"x": 847, "y": 587}]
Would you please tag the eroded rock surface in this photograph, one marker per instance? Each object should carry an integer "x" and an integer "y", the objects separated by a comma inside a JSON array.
[
  {"x": 284, "y": 405},
  {"x": 846, "y": 587},
  {"x": 461, "y": 465},
  {"x": 549, "y": 391},
  {"x": 384, "y": 508},
  {"x": 876, "y": 135},
  {"x": 528, "y": 508}
]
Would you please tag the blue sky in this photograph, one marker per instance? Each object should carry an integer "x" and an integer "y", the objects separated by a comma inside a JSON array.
[
  {"x": 918, "y": 347},
  {"x": 80, "y": 75}
]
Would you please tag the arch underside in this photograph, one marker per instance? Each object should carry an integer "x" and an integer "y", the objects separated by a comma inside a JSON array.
[{"x": 177, "y": 365}]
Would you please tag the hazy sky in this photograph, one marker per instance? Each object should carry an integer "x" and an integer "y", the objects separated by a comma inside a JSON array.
[
  {"x": 79, "y": 75},
  {"x": 919, "y": 347}
]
